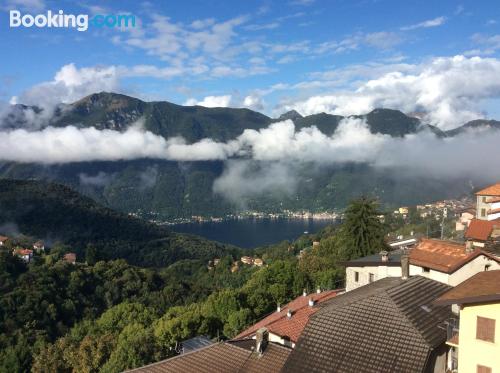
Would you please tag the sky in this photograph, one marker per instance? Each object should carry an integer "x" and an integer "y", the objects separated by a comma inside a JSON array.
[{"x": 438, "y": 58}]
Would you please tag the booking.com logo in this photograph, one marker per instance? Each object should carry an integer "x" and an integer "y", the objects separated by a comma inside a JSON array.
[{"x": 60, "y": 20}]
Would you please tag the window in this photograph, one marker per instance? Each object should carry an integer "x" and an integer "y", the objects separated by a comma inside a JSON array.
[
  {"x": 487, "y": 267},
  {"x": 483, "y": 212},
  {"x": 356, "y": 276},
  {"x": 371, "y": 277},
  {"x": 484, "y": 199},
  {"x": 426, "y": 269},
  {"x": 483, "y": 369},
  {"x": 485, "y": 329}
]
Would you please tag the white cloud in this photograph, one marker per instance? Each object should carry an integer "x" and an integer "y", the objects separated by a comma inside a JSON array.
[
  {"x": 438, "y": 21},
  {"x": 449, "y": 89},
  {"x": 264, "y": 26},
  {"x": 210, "y": 101}
]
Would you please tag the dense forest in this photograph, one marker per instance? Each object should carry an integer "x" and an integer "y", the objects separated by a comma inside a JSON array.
[
  {"x": 56, "y": 213},
  {"x": 105, "y": 314}
]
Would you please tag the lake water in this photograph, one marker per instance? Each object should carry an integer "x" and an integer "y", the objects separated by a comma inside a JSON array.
[{"x": 250, "y": 233}]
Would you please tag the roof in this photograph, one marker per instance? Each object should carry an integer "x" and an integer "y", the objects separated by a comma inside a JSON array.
[
  {"x": 3, "y": 238},
  {"x": 482, "y": 287},
  {"x": 390, "y": 325},
  {"x": 376, "y": 260},
  {"x": 480, "y": 229},
  {"x": 24, "y": 251},
  {"x": 442, "y": 256},
  {"x": 493, "y": 199},
  {"x": 196, "y": 343},
  {"x": 223, "y": 358},
  {"x": 290, "y": 328},
  {"x": 492, "y": 190}
]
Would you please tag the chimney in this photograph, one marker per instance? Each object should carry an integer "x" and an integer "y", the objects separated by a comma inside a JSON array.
[
  {"x": 469, "y": 247},
  {"x": 311, "y": 302},
  {"x": 318, "y": 290},
  {"x": 384, "y": 256},
  {"x": 261, "y": 340},
  {"x": 405, "y": 266},
  {"x": 304, "y": 293},
  {"x": 278, "y": 309},
  {"x": 289, "y": 313}
]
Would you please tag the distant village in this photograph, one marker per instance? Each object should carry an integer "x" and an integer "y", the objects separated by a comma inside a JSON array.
[
  {"x": 27, "y": 252},
  {"x": 424, "y": 305}
]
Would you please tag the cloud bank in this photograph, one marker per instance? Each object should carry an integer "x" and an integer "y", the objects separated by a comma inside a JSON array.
[{"x": 448, "y": 89}]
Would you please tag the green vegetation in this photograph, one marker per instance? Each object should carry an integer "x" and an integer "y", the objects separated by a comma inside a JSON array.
[
  {"x": 166, "y": 190},
  {"x": 109, "y": 316},
  {"x": 56, "y": 213}
]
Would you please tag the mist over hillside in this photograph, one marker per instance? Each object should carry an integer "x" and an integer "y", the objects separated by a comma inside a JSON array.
[{"x": 179, "y": 161}]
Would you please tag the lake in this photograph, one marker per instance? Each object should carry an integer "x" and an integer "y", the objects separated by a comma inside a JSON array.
[{"x": 250, "y": 233}]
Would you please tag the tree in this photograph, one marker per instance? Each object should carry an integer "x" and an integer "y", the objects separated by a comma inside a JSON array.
[{"x": 362, "y": 233}]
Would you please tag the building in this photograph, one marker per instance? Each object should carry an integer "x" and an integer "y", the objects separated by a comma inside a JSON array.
[
  {"x": 388, "y": 326},
  {"x": 70, "y": 258},
  {"x": 195, "y": 343},
  {"x": 39, "y": 246},
  {"x": 258, "y": 262},
  {"x": 286, "y": 324},
  {"x": 464, "y": 219},
  {"x": 477, "y": 336},
  {"x": 3, "y": 240},
  {"x": 444, "y": 261},
  {"x": 488, "y": 203},
  {"x": 247, "y": 260},
  {"x": 483, "y": 233},
  {"x": 251, "y": 356},
  {"x": 24, "y": 254}
]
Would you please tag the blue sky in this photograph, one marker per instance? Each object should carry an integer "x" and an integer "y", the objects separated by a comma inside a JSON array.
[{"x": 271, "y": 56}]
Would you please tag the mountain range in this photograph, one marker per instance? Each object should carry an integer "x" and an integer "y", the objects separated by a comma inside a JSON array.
[{"x": 170, "y": 189}]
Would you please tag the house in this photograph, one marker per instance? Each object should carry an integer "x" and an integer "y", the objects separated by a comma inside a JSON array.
[
  {"x": 483, "y": 233},
  {"x": 444, "y": 261},
  {"x": 70, "y": 258},
  {"x": 488, "y": 203},
  {"x": 390, "y": 325},
  {"x": 465, "y": 219},
  {"x": 247, "y": 260},
  {"x": 258, "y": 262},
  {"x": 252, "y": 356},
  {"x": 24, "y": 254},
  {"x": 195, "y": 343},
  {"x": 3, "y": 240},
  {"x": 38, "y": 246},
  {"x": 476, "y": 338},
  {"x": 286, "y": 324}
]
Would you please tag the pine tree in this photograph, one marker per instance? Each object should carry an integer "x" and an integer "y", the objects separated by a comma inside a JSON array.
[{"x": 362, "y": 232}]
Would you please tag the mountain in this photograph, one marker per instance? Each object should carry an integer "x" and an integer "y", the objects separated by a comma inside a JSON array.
[
  {"x": 56, "y": 213},
  {"x": 474, "y": 125},
  {"x": 160, "y": 189}
]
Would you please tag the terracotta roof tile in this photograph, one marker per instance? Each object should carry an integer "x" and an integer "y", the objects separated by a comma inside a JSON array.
[
  {"x": 480, "y": 229},
  {"x": 278, "y": 323},
  {"x": 440, "y": 255},
  {"x": 492, "y": 190},
  {"x": 481, "y": 287}
]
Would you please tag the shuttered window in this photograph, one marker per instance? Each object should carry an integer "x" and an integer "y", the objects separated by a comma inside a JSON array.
[
  {"x": 483, "y": 369},
  {"x": 485, "y": 329}
]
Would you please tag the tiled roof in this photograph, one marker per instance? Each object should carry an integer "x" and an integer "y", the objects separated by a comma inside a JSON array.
[
  {"x": 483, "y": 286},
  {"x": 390, "y": 325},
  {"x": 493, "y": 199},
  {"x": 480, "y": 229},
  {"x": 443, "y": 256},
  {"x": 3, "y": 238},
  {"x": 492, "y": 190},
  {"x": 222, "y": 358},
  {"x": 494, "y": 211},
  {"x": 278, "y": 323},
  {"x": 376, "y": 259}
]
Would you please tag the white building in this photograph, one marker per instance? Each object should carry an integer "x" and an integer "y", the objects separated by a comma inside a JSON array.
[
  {"x": 443, "y": 261},
  {"x": 488, "y": 203}
]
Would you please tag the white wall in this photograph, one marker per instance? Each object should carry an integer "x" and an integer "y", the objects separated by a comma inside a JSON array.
[{"x": 379, "y": 272}]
